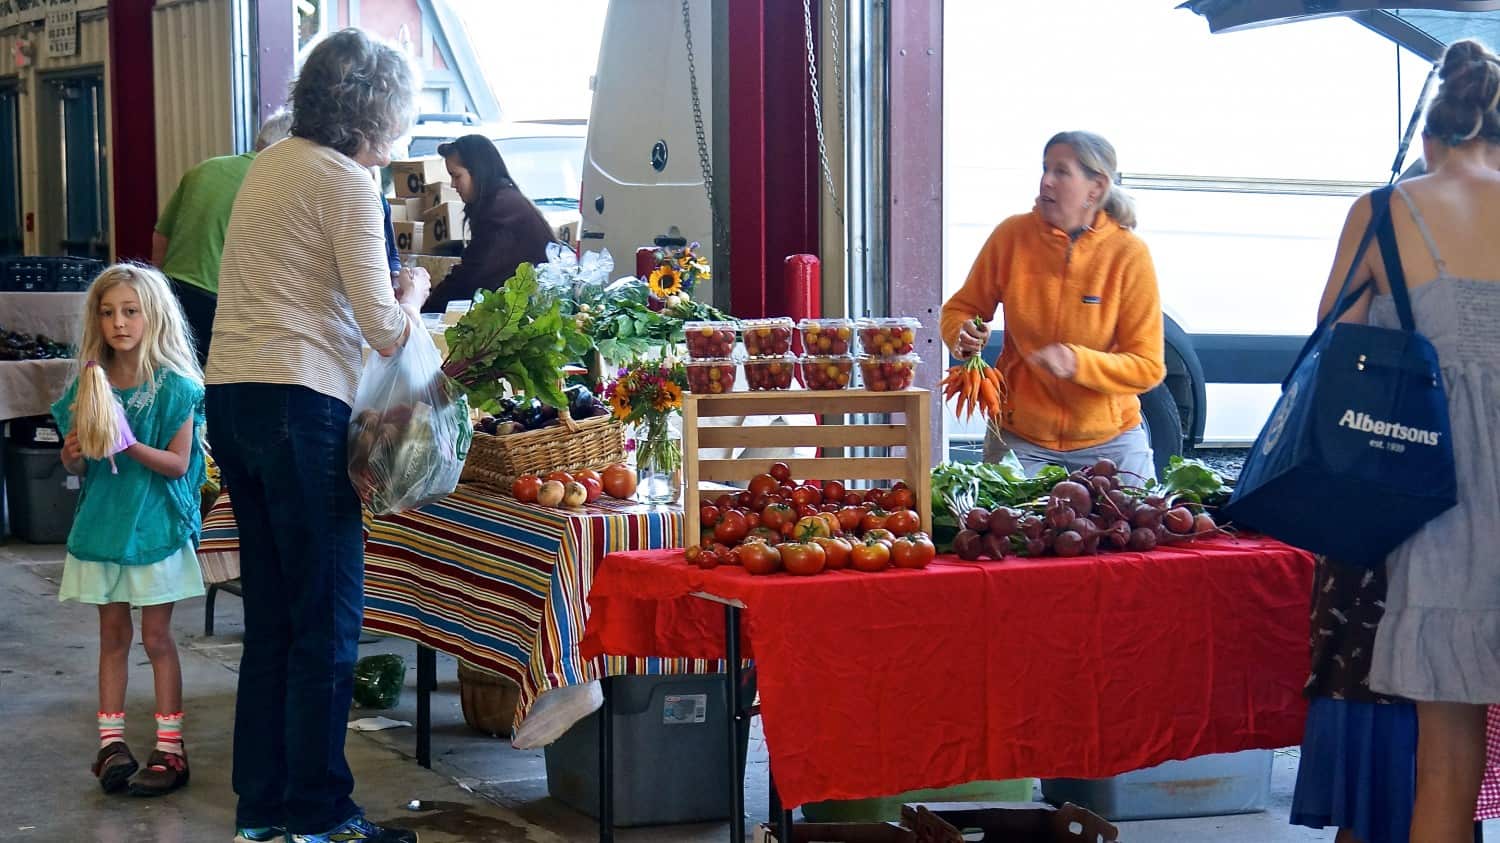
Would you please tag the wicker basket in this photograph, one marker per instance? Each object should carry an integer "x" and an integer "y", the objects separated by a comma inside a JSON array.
[
  {"x": 496, "y": 461},
  {"x": 489, "y": 699}
]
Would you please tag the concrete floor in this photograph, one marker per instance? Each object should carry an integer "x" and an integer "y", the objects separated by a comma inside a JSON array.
[{"x": 479, "y": 790}]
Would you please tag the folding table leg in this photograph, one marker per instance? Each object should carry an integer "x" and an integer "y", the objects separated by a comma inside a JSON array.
[
  {"x": 1478, "y": 832},
  {"x": 426, "y": 682},
  {"x": 732, "y": 696},
  {"x": 607, "y": 762}
]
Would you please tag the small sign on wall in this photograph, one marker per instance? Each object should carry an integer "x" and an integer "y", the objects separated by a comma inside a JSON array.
[{"x": 62, "y": 28}]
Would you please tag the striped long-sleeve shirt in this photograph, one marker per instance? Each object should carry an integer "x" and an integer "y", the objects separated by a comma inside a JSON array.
[{"x": 304, "y": 274}]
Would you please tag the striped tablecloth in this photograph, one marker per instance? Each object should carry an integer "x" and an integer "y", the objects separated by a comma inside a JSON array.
[{"x": 501, "y": 584}]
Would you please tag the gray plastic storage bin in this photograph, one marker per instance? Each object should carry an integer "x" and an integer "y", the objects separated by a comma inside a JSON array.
[
  {"x": 1206, "y": 786},
  {"x": 671, "y": 763},
  {"x": 42, "y": 494}
]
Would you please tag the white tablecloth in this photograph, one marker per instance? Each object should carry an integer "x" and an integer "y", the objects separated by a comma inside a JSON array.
[{"x": 28, "y": 387}]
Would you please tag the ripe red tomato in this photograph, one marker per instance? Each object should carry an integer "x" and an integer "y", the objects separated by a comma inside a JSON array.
[
  {"x": 763, "y": 484},
  {"x": 875, "y": 498},
  {"x": 832, "y": 520},
  {"x": 900, "y": 497},
  {"x": 806, "y": 496},
  {"x": 849, "y": 518},
  {"x": 759, "y": 558},
  {"x": 853, "y": 497},
  {"x": 883, "y": 536},
  {"x": 709, "y": 559},
  {"x": 753, "y": 519},
  {"x": 732, "y": 527},
  {"x": 619, "y": 481},
  {"x": 873, "y": 520},
  {"x": 777, "y": 514},
  {"x": 870, "y": 556},
  {"x": 787, "y": 529},
  {"x": 781, "y": 471},
  {"x": 801, "y": 558},
  {"x": 706, "y": 536},
  {"x": 593, "y": 487},
  {"x": 903, "y": 521},
  {"x": 724, "y": 501},
  {"x": 742, "y": 500},
  {"x": 913, "y": 551},
  {"x": 806, "y": 509},
  {"x": 763, "y": 533},
  {"x": 708, "y": 515},
  {"x": 581, "y": 473},
  {"x": 835, "y": 552},
  {"x": 561, "y": 476},
  {"x": 524, "y": 489},
  {"x": 833, "y": 491}
]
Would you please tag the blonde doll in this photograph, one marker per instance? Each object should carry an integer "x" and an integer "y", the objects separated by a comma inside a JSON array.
[{"x": 133, "y": 420}]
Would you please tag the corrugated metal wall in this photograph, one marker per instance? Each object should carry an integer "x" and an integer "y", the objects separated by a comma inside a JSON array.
[
  {"x": 93, "y": 52},
  {"x": 194, "y": 95}
]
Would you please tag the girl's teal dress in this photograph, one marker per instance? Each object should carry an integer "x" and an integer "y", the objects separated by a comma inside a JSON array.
[{"x": 134, "y": 532}]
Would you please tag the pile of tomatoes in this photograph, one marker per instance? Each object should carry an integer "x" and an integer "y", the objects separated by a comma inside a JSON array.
[
  {"x": 574, "y": 488},
  {"x": 805, "y": 528}
]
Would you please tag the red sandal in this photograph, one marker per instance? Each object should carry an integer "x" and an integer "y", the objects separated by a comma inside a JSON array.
[{"x": 114, "y": 766}]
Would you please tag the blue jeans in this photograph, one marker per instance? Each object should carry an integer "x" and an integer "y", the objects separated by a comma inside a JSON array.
[{"x": 283, "y": 453}]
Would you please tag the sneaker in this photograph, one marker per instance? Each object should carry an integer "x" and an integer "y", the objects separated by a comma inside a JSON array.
[
  {"x": 355, "y": 830},
  {"x": 259, "y": 835}
]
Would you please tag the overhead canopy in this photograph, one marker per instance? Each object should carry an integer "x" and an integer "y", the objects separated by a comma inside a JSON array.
[{"x": 1425, "y": 27}]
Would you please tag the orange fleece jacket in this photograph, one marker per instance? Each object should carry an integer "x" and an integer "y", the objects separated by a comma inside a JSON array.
[{"x": 1098, "y": 296}]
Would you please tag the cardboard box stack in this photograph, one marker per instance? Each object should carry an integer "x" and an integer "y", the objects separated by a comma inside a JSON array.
[{"x": 426, "y": 212}]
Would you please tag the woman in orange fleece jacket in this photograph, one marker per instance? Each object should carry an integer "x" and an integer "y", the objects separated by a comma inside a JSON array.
[{"x": 1083, "y": 326}]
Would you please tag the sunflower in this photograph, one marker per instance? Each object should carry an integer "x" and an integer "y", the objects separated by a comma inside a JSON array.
[
  {"x": 671, "y": 396},
  {"x": 620, "y": 404},
  {"x": 665, "y": 281}
]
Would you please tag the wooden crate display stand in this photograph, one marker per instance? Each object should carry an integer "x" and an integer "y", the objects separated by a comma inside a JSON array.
[{"x": 912, "y": 433}]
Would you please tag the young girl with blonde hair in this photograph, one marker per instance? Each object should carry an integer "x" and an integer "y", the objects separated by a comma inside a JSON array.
[{"x": 133, "y": 423}]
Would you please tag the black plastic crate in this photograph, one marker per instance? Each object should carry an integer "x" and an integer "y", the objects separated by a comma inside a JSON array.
[
  {"x": 74, "y": 275},
  {"x": 47, "y": 274}
]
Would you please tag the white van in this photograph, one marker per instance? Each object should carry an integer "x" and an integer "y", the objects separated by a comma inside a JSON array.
[{"x": 643, "y": 176}]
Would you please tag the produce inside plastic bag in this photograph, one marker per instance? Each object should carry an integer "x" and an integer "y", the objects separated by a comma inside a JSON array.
[
  {"x": 378, "y": 680},
  {"x": 409, "y": 432}
]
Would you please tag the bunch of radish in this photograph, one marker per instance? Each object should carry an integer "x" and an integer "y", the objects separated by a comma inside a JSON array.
[{"x": 1092, "y": 511}]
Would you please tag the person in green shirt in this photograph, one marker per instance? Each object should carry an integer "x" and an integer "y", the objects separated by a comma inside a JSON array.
[{"x": 189, "y": 235}]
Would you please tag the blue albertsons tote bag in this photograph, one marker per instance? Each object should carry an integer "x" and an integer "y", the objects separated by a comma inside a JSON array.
[{"x": 1356, "y": 456}]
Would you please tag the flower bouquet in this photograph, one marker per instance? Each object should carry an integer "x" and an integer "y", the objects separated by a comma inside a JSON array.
[{"x": 647, "y": 394}]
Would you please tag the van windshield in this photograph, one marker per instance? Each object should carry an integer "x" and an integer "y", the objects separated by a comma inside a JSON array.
[{"x": 547, "y": 169}]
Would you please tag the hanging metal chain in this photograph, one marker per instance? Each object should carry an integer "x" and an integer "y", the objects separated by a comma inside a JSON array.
[
  {"x": 838, "y": 57},
  {"x": 817, "y": 102},
  {"x": 704, "y": 161}
]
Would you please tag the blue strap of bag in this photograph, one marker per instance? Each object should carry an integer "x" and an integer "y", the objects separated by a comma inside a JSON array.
[
  {"x": 1391, "y": 255},
  {"x": 1380, "y": 207}
]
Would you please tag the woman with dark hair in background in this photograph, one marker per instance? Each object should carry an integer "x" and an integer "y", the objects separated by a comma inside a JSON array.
[{"x": 505, "y": 229}]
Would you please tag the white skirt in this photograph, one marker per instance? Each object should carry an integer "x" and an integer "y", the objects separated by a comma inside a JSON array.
[{"x": 177, "y": 577}]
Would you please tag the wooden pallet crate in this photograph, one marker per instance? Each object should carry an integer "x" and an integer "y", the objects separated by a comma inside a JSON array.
[{"x": 912, "y": 433}]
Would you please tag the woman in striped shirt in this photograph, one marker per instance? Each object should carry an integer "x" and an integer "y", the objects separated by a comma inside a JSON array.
[{"x": 303, "y": 284}]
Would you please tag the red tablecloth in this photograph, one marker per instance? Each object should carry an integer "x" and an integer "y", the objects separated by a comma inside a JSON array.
[{"x": 875, "y": 684}]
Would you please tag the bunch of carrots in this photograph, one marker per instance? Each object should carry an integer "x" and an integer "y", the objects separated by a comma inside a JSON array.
[{"x": 978, "y": 386}]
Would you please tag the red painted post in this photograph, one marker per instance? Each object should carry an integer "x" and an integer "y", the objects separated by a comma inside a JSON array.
[
  {"x": 747, "y": 158},
  {"x": 132, "y": 116},
  {"x": 802, "y": 279},
  {"x": 645, "y": 261}
]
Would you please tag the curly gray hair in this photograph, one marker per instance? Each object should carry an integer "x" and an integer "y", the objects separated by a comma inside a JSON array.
[{"x": 353, "y": 93}]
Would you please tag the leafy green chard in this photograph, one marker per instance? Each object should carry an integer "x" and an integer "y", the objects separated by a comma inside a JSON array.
[
  {"x": 1004, "y": 483},
  {"x": 1192, "y": 481},
  {"x": 514, "y": 336}
]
